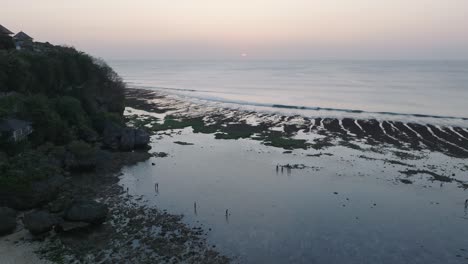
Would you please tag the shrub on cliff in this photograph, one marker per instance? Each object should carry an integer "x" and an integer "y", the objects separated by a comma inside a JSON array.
[
  {"x": 81, "y": 156},
  {"x": 18, "y": 172},
  {"x": 65, "y": 93},
  {"x": 63, "y": 71},
  {"x": 6, "y": 43}
]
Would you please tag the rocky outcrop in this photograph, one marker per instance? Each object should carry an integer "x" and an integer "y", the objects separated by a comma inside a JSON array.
[
  {"x": 7, "y": 220},
  {"x": 142, "y": 138},
  {"x": 124, "y": 138},
  {"x": 127, "y": 139},
  {"x": 87, "y": 211},
  {"x": 111, "y": 135},
  {"x": 39, "y": 222}
]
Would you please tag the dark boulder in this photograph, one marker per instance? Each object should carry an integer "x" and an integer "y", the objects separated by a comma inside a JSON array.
[
  {"x": 127, "y": 139},
  {"x": 142, "y": 138},
  {"x": 7, "y": 220},
  {"x": 111, "y": 135},
  {"x": 124, "y": 138},
  {"x": 39, "y": 222},
  {"x": 87, "y": 211}
]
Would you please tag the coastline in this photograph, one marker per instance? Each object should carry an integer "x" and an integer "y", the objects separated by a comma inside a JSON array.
[
  {"x": 234, "y": 123},
  {"x": 151, "y": 227},
  {"x": 255, "y": 163},
  {"x": 107, "y": 243}
]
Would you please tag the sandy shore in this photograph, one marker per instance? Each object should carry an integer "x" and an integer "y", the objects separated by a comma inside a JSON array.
[{"x": 18, "y": 249}]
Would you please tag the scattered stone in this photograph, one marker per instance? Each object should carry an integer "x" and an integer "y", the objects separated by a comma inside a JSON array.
[
  {"x": 405, "y": 181},
  {"x": 435, "y": 176},
  {"x": 183, "y": 143},
  {"x": 160, "y": 154},
  {"x": 319, "y": 155}
]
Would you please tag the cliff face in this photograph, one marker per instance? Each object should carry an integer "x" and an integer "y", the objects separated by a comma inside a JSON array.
[
  {"x": 75, "y": 104},
  {"x": 67, "y": 94}
]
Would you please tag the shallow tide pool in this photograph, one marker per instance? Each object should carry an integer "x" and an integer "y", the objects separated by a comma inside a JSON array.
[{"x": 345, "y": 206}]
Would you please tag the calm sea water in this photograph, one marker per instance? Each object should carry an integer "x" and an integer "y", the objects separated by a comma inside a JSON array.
[{"x": 382, "y": 88}]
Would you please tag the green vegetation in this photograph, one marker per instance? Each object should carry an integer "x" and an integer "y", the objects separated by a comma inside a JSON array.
[
  {"x": 81, "y": 150},
  {"x": 6, "y": 43},
  {"x": 17, "y": 172},
  {"x": 66, "y": 94},
  {"x": 224, "y": 131},
  {"x": 69, "y": 97},
  {"x": 286, "y": 143}
]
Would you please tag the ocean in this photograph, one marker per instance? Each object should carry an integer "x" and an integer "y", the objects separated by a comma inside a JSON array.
[
  {"x": 412, "y": 91},
  {"x": 353, "y": 200}
]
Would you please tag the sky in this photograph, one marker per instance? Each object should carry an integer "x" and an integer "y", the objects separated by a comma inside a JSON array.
[{"x": 255, "y": 29}]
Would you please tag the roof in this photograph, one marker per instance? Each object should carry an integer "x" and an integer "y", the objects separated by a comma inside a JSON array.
[
  {"x": 4, "y": 30},
  {"x": 13, "y": 124},
  {"x": 22, "y": 36}
]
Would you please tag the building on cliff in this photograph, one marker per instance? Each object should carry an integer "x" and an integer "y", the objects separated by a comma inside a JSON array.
[
  {"x": 6, "y": 42},
  {"x": 23, "y": 41},
  {"x": 4, "y": 31}
]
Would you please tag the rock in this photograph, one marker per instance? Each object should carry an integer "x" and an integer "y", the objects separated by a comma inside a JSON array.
[
  {"x": 87, "y": 211},
  {"x": 111, "y": 135},
  {"x": 159, "y": 154},
  {"x": 7, "y": 220},
  {"x": 71, "y": 226},
  {"x": 60, "y": 204},
  {"x": 142, "y": 138},
  {"x": 127, "y": 139},
  {"x": 39, "y": 222},
  {"x": 124, "y": 138}
]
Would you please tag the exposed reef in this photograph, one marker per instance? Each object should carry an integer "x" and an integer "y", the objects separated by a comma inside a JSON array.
[{"x": 284, "y": 131}]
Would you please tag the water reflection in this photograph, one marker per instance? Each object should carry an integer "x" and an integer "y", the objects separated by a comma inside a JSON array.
[
  {"x": 325, "y": 215},
  {"x": 466, "y": 207}
]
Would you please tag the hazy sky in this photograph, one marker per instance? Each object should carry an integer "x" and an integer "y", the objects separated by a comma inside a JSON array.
[{"x": 310, "y": 29}]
